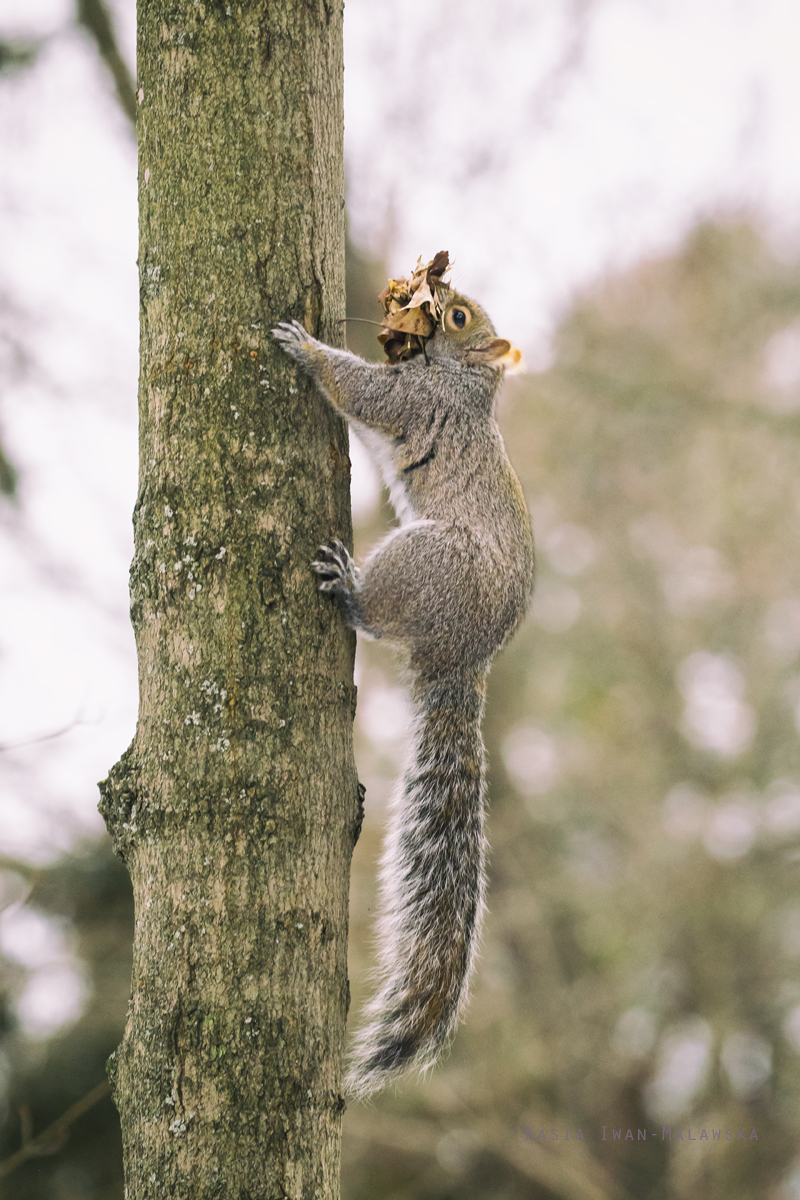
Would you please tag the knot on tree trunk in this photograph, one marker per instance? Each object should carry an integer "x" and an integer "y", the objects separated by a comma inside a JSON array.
[{"x": 119, "y": 799}]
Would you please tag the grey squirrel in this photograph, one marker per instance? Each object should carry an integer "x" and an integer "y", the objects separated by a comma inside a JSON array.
[{"x": 449, "y": 586}]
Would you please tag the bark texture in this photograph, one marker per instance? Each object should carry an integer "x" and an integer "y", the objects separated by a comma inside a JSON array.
[{"x": 236, "y": 807}]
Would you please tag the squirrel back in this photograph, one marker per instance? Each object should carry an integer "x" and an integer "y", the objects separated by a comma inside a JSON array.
[{"x": 449, "y": 586}]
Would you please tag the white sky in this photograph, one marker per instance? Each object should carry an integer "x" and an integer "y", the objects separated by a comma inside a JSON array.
[{"x": 675, "y": 108}]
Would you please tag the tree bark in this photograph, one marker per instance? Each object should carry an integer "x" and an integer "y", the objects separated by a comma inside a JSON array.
[{"x": 236, "y": 807}]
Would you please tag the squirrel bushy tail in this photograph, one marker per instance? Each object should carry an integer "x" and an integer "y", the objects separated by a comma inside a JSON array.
[{"x": 432, "y": 886}]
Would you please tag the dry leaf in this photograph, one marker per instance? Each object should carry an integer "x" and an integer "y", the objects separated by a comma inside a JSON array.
[
  {"x": 410, "y": 320},
  {"x": 413, "y": 307}
]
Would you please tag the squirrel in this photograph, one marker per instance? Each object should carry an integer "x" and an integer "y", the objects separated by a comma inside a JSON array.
[{"x": 449, "y": 586}]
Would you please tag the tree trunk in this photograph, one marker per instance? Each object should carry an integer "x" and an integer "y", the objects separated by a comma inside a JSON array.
[{"x": 236, "y": 807}]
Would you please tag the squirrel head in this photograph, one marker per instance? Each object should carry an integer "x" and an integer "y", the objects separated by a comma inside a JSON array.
[{"x": 466, "y": 335}]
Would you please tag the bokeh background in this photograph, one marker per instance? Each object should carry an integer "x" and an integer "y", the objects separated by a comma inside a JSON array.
[{"x": 617, "y": 181}]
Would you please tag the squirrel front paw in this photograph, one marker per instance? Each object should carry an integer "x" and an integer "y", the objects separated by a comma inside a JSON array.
[
  {"x": 337, "y": 571},
  {"x": 293, "y": 339}
]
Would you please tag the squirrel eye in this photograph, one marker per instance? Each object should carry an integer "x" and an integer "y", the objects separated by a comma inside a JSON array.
[{"x": 459, "y": 318}]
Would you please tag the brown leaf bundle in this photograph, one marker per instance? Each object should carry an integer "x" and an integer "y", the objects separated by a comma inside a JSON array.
[{"x": 413, "y": 307}]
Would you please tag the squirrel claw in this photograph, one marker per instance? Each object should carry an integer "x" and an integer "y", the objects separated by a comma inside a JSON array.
[
  {"x": 336, "y": 568},
  {"x": 291, "y": 337}
]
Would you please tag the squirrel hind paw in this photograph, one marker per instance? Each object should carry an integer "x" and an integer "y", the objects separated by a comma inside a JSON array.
[
  {"x": 335, "y": 562},
  {"x": 339, "y": 574}
]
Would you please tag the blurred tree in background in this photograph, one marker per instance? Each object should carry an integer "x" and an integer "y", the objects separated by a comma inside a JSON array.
[{"x": 73, "y": 932}]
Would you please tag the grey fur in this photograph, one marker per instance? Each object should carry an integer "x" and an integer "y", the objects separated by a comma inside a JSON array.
[{"x": 449, "y": 586}]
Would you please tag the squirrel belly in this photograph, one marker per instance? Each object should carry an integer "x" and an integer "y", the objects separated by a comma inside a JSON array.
[{"x": 449, "y": 587}]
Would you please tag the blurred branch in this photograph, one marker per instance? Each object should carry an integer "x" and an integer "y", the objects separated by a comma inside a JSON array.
[
  {"x": 54, "y": 1136},
  {"x": 539, "y": 110},
  {"x": 548, "y": 92},
  {"x": 14, "y": 359},
  {"x": 579, "y": 1177},
  {"x": 18, "y": 54},
  {"x": 576, "y": 1176},
  {"x": 8, "y": 476},
  {"x": 5, "y": 747},
  {"x": 94, "y": 16},
  {"x": 26, "y": 869}
]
